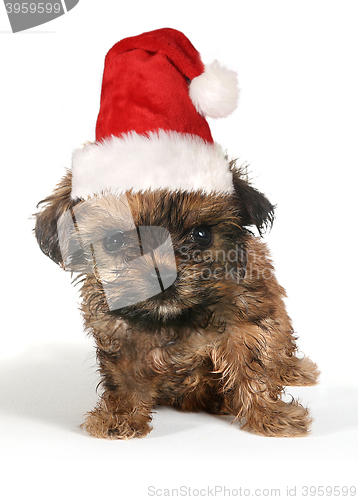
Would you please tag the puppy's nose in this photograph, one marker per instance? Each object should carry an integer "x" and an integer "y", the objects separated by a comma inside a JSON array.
[
  {"x": 166, "y": 277},
  {"x": 152, "y": 277}
]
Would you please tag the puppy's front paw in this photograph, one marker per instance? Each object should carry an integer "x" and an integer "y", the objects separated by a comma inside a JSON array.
[
  {"x": 105, "y": 422},
  {"x": 280, "y": 420}
]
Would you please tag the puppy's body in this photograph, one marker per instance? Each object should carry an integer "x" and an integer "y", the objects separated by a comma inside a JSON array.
[{"x": 218, "y": 339}]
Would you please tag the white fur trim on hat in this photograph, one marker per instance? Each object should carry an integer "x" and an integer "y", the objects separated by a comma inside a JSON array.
[
  {"x": 215, "y": 92},
  {"x": 161, "y": 160}
]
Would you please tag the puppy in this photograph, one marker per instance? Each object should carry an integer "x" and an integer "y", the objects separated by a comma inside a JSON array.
[{"x": 183, "y": 304}]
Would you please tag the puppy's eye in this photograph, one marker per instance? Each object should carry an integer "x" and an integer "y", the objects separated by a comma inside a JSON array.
[
  {"x": 114, "y": 242},
  {"x": 202, "y": 235}
]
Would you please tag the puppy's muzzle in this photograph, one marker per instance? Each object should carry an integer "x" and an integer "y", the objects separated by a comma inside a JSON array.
[{"x": 165, "y": 276}]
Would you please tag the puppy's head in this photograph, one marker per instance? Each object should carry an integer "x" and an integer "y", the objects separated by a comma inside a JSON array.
[{"x": 155, "y": 258}]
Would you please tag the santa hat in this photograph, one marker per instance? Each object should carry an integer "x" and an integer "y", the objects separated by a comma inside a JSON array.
[{"x": 151, "y": 129}]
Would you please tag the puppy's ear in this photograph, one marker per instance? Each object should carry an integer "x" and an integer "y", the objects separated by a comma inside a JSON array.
[
  {"x": 53, "y": 207},
  {"x": 254, "y": 208}
]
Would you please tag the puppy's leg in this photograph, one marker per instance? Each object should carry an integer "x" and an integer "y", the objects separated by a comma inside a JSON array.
[
  {"x": 260, "y": 408},
  {"x": 252, "y": 394},
  {"x": 285, "y": 367},
  {"x": 123, "y": 410},
  {"x": 120, "y": 416},
  {"x": 258, "y": 400},
  {"x": 291, "y": 370},
  {"x": 263, "y": 297}
]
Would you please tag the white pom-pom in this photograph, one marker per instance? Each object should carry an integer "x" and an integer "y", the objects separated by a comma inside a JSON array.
[{"x": 215, "y": 92}]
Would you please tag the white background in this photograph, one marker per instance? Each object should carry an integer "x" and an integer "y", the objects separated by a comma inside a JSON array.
[{"x": 297, "y": 127}]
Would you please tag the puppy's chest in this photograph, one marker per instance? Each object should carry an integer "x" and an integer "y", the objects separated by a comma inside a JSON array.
[
  {"x": 181, "y": 356},
  {"x": 166, "y": 353}
]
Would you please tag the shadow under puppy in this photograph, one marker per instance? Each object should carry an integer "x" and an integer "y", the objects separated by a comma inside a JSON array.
[{"x": 179, "y": 295}]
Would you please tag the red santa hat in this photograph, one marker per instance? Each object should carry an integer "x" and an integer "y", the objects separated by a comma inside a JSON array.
[{"x": 151, "y": 129}]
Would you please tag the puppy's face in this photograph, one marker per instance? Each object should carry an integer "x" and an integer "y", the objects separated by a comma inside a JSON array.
[{"x": 158, "y": 258}]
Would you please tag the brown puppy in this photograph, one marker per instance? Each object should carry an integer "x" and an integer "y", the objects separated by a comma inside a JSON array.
[{"x": 183, "y": 304}]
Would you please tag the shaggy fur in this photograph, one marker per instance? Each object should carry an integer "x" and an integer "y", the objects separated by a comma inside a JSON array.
[{"x": 218, "y": 339}]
